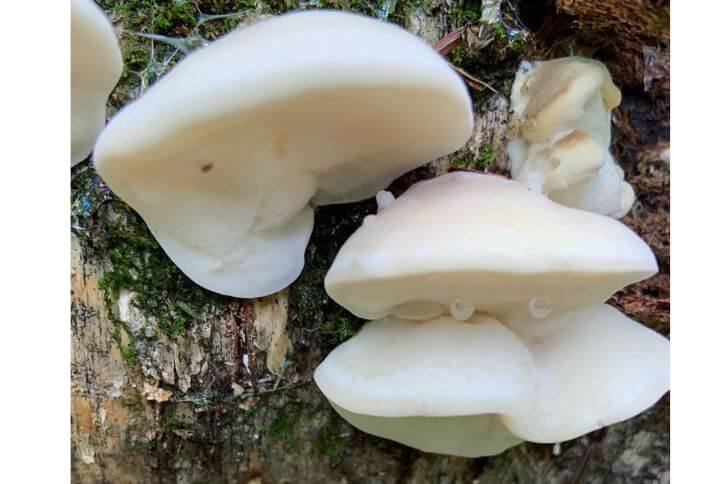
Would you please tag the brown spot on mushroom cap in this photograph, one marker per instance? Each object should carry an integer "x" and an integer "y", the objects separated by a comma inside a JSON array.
[
  {"x": 279, "y": 145},
  {"x": 550, "y": 81},
  {"x": 207, "y": 167},
  {"x": 572, "y": 139}
]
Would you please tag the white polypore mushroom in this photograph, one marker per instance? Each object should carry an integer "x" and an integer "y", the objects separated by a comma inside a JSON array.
[
  {"x": 477, "y": 388},
  {"x": 465, "y": 242},
  {"x": 395, "y": 375},
  {"x": 96, "y": 67},
  {"x": 226, "y": 154},
  {"x": 562, "y": 111}
]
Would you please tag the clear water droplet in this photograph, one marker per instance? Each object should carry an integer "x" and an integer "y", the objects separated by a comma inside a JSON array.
[
  {"x": 539, "y": 307},
  {"x": 461, "y": 310}
]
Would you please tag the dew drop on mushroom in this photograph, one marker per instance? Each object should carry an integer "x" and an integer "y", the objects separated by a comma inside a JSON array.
[
  {"x": 539, "y": 307},
  {"x": 461, "y": 310}
]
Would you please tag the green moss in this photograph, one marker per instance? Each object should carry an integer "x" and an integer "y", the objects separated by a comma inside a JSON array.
[
  {"x": 481, "y": 162},
  {"x": 361, "y": 6},
  {"x": 329, "y": 442},
  {"x": 174, "y": 423},
  {"x": 175, "y": 15},
  {"x": 500, "y": 33},
  {"x": 518, "y": 45},
  {"x": 486, "y": 157},
  {"x": 463, "y": 12},
  {"x": 129, "y": 353},
  {"x": 117, "y": 236},
  {"x": 283, "y": 425}
]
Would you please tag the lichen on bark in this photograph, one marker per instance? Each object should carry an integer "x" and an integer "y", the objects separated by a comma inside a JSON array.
[{"x": 173, "y": 383}]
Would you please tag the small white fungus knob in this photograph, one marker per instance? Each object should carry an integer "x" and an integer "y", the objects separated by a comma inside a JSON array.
[{"x": 384, "y": 200}]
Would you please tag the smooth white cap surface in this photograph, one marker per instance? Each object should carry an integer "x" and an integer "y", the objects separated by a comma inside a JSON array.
[
  {"x": 546, "y": 381},
  {"x": 96, "y": 67},
  {"x": 477, "y": 241},
  {"x": 225, "y": 154}
]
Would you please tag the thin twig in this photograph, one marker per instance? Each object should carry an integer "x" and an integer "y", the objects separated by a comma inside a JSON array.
[
  {"x": 474, "y": 82},
  {"x": 449, "y": 41}
]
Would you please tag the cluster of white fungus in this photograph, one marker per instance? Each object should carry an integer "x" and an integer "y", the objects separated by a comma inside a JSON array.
[
  {"x": 562, "y": 118},
  {"x": 487, "y": 298},
  {"x": 491, "y": 326}
]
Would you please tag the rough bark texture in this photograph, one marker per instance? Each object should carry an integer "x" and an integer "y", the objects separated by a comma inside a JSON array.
[{"x": 171, "y": 383}]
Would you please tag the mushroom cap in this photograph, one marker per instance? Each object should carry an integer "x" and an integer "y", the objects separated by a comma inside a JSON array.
[
  {"x": 231, "y": 147},
  {"x": 562, "y": 94},
  {"x": 483, "y": 241},
  {"x": 605, "y": 192},
  {"x": 594, "y": 367},
  {"x": 396, "y": 367},
  {"x": 547, "y": 381},
  {"x": 569, "y": 160},
  {"x": 96, "y": 67}
]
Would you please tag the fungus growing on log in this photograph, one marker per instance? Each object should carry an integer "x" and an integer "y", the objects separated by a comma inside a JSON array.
[
  {"x": 562, "y": 113},
  {"x": 226, "y": 156},
  {"x": 493, "y": 328},
  {"x": 96, "y": 67},
  {"x": 467, "y": 239}
]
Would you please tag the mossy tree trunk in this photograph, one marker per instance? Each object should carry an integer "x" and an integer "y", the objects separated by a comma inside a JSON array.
[{"x": 171, "y": 383}]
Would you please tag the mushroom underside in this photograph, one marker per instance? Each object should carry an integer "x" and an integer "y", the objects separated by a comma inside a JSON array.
[
  {"x": 507, "y": 296},
  {"x": 464, "y": 436}
]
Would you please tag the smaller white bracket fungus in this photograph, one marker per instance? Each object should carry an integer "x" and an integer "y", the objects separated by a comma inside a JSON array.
[
  {"x": 562, "y": 111},
  {"x": 96, "y": 67},
  {"x": 477, "y": 388},
  {"x": 477, "y": 240},
  {"x": 225, "y": 156}
]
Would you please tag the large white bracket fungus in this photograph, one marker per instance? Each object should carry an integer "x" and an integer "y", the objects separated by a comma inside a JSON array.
[
  {"x": 467, "y": 242},
  {"x": 562, "y": 111},
  {"x": 476, "y": 388},
  {"x": 96, "y": 67},
  {"x": 527, "y": 352},
  {"x": 225, "y": 156}
]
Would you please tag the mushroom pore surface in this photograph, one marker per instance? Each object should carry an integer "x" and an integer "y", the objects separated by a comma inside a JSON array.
[
  {"x": 467, "y": 242},
  {"x": 225, "y": 156}
]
